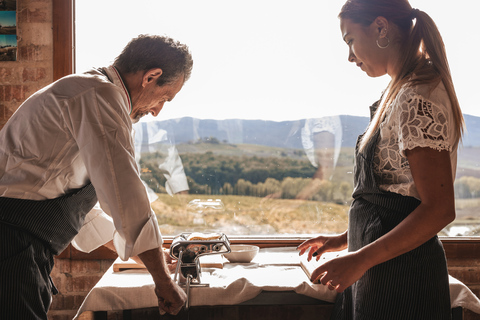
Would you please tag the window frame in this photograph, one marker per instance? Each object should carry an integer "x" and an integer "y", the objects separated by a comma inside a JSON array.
[{"x": 63, "y": 25}]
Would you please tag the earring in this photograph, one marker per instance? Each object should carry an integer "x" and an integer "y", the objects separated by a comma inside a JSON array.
[
  {"x": 384, "y": 47},
  {"x": 384, "y": 33}
]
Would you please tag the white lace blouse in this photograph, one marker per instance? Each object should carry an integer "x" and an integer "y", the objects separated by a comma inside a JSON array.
[{"x": 418, "y": 118}]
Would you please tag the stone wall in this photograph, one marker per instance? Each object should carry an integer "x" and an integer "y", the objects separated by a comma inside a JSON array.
[
  {"x": 75, "y": 273},
  {"x": 34, "y": 65}
]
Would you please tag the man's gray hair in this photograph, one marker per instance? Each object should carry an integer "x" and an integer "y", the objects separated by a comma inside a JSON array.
[{"x": 152, "y": 51}]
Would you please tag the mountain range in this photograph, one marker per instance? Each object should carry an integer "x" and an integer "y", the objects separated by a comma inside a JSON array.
[{"x": 283, "y": 134}]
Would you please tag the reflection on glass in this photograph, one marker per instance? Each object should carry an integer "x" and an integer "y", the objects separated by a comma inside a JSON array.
[
  {"x": 278, "y": 175},
  {"x": 247, "y": 177},
  {"x": 256, "y": 177}
]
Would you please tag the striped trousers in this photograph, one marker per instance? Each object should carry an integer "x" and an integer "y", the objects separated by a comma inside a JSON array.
[{"x": 25, "y": 284}]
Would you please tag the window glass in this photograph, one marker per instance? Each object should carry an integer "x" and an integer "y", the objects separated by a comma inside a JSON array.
[{"x": 260, "y": 139}]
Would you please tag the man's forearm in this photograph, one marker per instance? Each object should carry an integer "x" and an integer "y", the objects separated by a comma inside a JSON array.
[{"x": 155, "y": 263}]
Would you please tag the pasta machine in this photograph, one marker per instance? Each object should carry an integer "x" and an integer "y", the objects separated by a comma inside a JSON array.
[{"x": 187, "y": 248}]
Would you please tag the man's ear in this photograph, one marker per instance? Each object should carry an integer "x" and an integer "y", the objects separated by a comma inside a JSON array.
[{"x": 151, "y": 76}]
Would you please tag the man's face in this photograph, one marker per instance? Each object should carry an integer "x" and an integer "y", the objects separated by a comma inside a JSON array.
[{"x": 152, "y": 98}]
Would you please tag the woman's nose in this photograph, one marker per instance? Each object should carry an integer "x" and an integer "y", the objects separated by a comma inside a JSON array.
[{"x": 351, "y": 56}]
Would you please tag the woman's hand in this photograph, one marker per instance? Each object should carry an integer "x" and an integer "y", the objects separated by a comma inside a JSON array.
[
  {"x": 319, "y": 245},
  {"x": 340, "y": 273}
]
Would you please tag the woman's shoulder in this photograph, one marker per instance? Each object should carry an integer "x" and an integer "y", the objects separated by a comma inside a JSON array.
[
  {"x": 422, "y": 117},
  {"x": 429, "y": 93}
]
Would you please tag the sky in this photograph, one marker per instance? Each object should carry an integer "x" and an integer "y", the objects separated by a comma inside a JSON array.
[
  {"x": 8, "y": 18},
  {"x": 267, "y": 59},
  {"x": 8, "y": 40}
]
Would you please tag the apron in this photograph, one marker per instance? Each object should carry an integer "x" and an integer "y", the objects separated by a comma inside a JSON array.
[
  {"x": 411, "y": 286},
  {"x": 31, "y": 233}
]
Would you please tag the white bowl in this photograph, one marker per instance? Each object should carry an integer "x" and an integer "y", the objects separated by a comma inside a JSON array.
[{"x": 241, "y": 253}]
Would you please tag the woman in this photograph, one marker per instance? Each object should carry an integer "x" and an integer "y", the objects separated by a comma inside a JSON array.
[{"x": 405, "y": 164}]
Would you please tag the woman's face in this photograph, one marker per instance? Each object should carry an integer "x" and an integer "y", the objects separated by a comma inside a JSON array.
[{"x": 363, "y": 48}]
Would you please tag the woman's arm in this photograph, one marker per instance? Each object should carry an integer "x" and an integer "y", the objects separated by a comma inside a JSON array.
[{"x": 432, "y": 173}]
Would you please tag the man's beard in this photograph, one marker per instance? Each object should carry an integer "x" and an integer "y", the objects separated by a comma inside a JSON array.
[{"x": 138, "y": 116}]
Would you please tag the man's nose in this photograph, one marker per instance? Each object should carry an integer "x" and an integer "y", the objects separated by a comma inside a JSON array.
[{"x": 156, "y": 110}]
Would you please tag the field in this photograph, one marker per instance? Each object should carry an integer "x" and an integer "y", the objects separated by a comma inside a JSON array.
[
  {"x": 243, "y": 215},
  {"x": 8, "y": 54},
  {"x": 258, "y": 214},
  {"x": 8, "y": 30},
  {"x": 8, "y": 5},
  {"x": 467, "y": 222}
]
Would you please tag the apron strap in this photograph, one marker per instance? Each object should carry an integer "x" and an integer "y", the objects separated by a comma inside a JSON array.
[{"x": 54, "y": 221}]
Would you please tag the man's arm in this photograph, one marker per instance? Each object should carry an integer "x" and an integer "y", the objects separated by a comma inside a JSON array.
[
  {"x": 171, "y": 264},
  {"x": 171, "y": 297}
]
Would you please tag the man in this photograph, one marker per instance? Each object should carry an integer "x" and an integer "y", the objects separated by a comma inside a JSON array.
[{"x": 69, "y": 144}]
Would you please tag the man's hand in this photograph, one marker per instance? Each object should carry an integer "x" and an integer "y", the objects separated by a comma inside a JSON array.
[{"x": 171, "y": 297}]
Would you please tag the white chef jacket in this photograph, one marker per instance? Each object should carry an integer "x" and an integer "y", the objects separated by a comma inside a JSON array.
[{"x": 73, "y": 131}]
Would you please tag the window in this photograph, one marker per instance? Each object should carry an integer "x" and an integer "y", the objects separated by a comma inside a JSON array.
[{"x": 271, "y": 97}]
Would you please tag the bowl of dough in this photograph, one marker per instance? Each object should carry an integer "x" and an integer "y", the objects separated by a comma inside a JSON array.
[{"x": 241, "y": 253}]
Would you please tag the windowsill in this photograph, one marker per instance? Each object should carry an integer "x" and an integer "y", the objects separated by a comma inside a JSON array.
[{"x": 455, "y": 247}]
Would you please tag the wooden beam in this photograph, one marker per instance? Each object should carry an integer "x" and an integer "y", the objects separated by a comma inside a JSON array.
[{"x": 63, "y": 28}]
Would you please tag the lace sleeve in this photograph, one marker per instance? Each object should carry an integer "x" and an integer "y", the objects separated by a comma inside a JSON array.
[{"x": 422, "y": 123}]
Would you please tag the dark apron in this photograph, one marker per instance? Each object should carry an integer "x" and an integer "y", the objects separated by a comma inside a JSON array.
[
  {"x": 409, "y": 287},
  {"x": 31, "y": 233}
]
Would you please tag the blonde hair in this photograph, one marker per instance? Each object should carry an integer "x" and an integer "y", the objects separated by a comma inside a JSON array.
[{"x": 423, "y": 54}]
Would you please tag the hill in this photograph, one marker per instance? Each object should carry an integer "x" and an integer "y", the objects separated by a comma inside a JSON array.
[{"x": 284, "y": 134}]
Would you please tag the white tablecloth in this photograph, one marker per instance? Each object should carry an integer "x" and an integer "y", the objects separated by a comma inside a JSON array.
[{"x": 273, "y": 269}]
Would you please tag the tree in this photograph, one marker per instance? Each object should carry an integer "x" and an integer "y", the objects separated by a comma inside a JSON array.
[
  {"x": 345, "y": 190},
  {"x": 227, "y": 189},
  {"x": 467, "y": 187}
]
